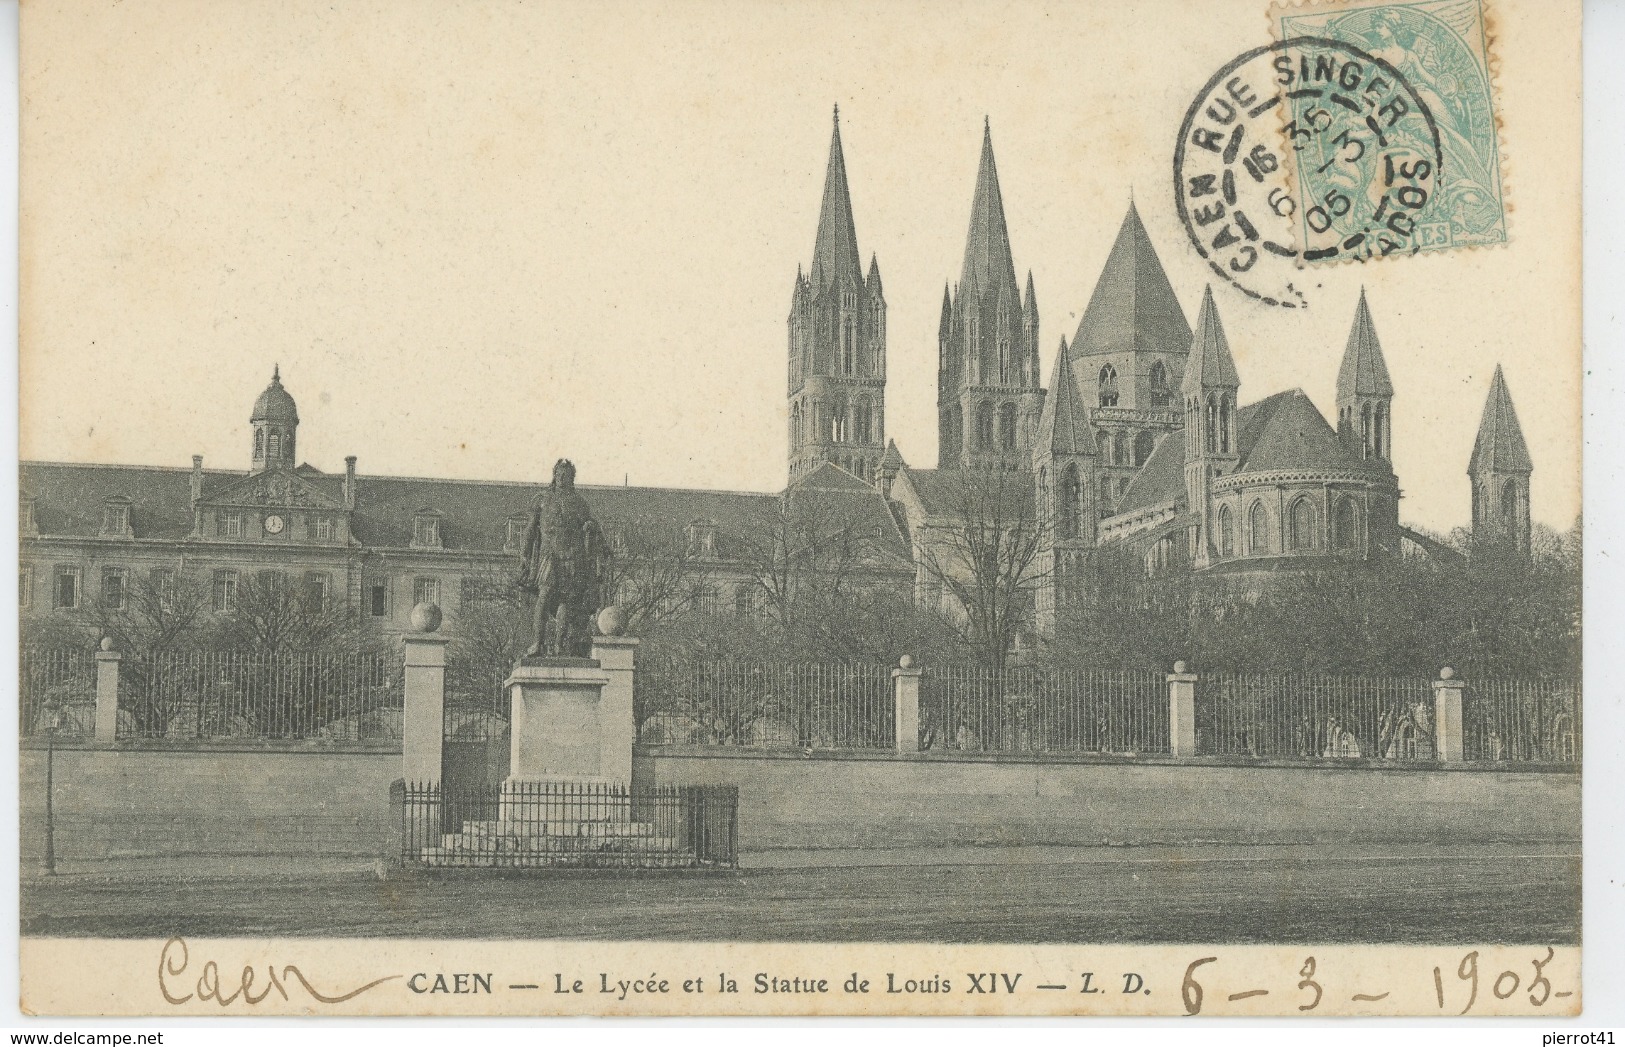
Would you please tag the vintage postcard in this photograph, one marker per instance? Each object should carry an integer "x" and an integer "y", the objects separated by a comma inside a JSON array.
[{"x": 818, "y": 508}]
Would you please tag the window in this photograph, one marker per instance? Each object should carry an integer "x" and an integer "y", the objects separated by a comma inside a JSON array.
[
  {"x": 1104, "y": 441},
  {"x": 1004, "y": 361},
  {"x": 316, "y": 585},
  {"x": 1120, "y": 450},
  {"x": 25, "y": 587},
  {"x": 259, "y": 443},
  {"x": 426, "y": 530},
  {"x": 706, "y": 600},
  {"x": 1367, "y": 436},
  {"x": 322, "y": 528},
  {"x": 116, "y": 519},
  {"x": 225, "y": 591},
  {"x": 229, "y": 525},
  {"x": 864, "y": 415},
  {"x": 1105, "y": 490},
  {"x": 1510, "y": 517},
  {"x": 1007, "y": 427},
  {"x": 744, "y": 602},
  {"x": 114, "y": 588},
  {"x": 1225, "y": 424},
  {"x": 378, "y": 600},
  {"x": 1345, "y": 526},
  {"x": 1108, "y": 386},
  {"x": 1071, "y": 506},
  {"x": 1210, "y": 425},
  {"x": 1159, "y": 557},
  {"x": 1301, "y": 525},
  {"x": 1144, "y": 444},
  {"x": 25, "y": 516},
  {"x": 274, "y": 447},
  {"x": 1227, "y": 532},
  {"x": 849, "y": 347},
  {"x": 66, "y": 588},
  {"x": 425, "y": 590},
  {"x": 702, "y": 539},
  {"x": 162, "y": 581},
  {"x": 515, "y": 536},
  {"x": 984, "y": 427},
  {"x": 1161, "y": 394},
  {"x": 1258, "y": 529}
]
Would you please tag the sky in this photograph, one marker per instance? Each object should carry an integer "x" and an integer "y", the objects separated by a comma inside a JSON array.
[{"x": 479, "y": 236}]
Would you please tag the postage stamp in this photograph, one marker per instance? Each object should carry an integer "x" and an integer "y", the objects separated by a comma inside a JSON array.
[
  {"x": 1442, "y": 48},
  {"x": 1360, "y": 139}
]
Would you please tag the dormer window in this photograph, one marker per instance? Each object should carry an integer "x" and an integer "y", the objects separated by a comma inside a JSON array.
[
  {"x": 702, "y": 540},
  {"x": 322, "y": 528},
  {"x": 426, "y": 530},
  {"x": 116, "y": 516},
  {"x": 229, "y": 525},
  {"x": 516, "y": 533}
]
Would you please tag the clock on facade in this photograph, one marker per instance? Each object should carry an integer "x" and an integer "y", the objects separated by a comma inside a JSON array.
[{"x": 273, "y": 525}]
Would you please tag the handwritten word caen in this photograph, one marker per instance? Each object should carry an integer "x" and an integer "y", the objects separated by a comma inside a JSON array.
[{"x": 173, "y": 961}]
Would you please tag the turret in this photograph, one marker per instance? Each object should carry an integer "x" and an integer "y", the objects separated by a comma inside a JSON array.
[
  {"x": 1365, "y": 394},
  {"x": 1209, "y": 396},
  {"x": 1500, "y": 469},
  {"x": 275, "y": 422}
]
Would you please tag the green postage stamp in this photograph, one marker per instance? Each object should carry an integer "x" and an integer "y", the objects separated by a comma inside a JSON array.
[{"x": 1442, "y": 50}]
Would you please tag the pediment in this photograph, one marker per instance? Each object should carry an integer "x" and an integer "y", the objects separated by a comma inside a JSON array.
[{"x": 279, "y": 487}]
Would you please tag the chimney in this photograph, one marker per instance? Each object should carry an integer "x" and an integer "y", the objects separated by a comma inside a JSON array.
[
  {"x": 349, "y": 481},
  {"x": 197, "y": 478}
]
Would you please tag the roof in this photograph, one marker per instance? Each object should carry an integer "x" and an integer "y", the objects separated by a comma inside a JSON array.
[
  {"x": 1161, "y": 479},
  {"x": 1500, "y": 445},
  {"x": 1364, "y": 372},
  {"x": 1063, "y": 425},
  {"x": 835, "y": 252},
  {"x": 275, "y": 404},
  {"x": 943, "y": 491},
  {"x": 1133, "y": 305},
  {"x": 987, "y": 243},
  {"x": 1280, "y": 432},
  {"x": 831, "y": 477},
  {"x": 69, "y": 500},
  {"x": 1209, "y": 365}
]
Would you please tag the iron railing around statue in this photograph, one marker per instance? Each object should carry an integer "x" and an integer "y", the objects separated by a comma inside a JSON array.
[
  {"x": 588, "y": 825},
  {"x": 833, "y": 705},
  {"x": 1534, "y": 719},
  {"x": 973, "y": 709},
  {"x": 230, "y": 695},
  {"x": 59, "y": 677}
]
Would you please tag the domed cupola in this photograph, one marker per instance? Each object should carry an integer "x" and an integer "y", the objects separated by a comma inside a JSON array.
[{"x": 276, "y": 422}]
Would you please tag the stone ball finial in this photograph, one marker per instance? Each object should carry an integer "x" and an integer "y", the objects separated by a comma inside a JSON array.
[
  {"x": 1446, "y": 673},
  {"x": 906, "y": 662},
  {"x": 426, "y": 617},
  {"x": 107, "y": 643},
  {"x": 1179, "y": 667},
  {"x": 611, "y": 621}
]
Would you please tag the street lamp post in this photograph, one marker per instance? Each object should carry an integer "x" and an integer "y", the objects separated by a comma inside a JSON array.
[{"x": 53, "y": 721}]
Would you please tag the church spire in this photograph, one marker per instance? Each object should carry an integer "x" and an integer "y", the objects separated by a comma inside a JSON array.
[
  {"x": 1063, "y": 427},
  {"x": 1500, "y": 445},
  {"x": 988, "y": 263},
  {"x": 1133, "y": 307},
  {"x": 1210, "y": 365},
  {"x": 1364, "y": 372},
  {"x": 1500, "y": 469},
  {"x": 835, "y": 252}
]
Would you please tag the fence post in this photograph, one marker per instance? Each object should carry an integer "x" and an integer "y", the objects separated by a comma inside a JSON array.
[
  {"x": 906, "y": 704},
  {"x": 617, "y": 727},
  {"x": 1447, "y": 716},
  {"x": 423, "y": 714},
  {"x": 1181, "y": 711},
  {"x": 107, "y": 667}
]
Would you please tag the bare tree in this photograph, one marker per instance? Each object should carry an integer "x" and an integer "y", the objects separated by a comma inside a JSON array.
[
  {"x": 270, "y": 614},
  {"x": 985, "y": 547},
  {"x": 656, "y": 573}
]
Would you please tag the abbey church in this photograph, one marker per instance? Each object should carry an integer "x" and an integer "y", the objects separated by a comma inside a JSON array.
[{"x": 1141, "y": 441}]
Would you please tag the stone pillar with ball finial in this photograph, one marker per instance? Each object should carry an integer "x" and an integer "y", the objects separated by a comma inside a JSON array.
[
  {"x": 617, "y": 728},
  {"x": 1181, "y": 711},
  {"x": 424, "y": 705},
  {"x": 906, "y": 704},
  {"x": 1447, "y": 691}
]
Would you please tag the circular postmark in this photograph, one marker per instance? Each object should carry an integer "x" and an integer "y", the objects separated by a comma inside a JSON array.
[{"x": 1302, "y": 152}]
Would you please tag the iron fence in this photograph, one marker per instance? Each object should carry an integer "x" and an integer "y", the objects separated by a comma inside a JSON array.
[
  {"x": 570, "y": 825},
  {"x": 764, "y": 705},
  {"x": 1038, "y": 710},
  {"x": 477, "y": 707},
  {"x": 353, "y": 696},
  {"x": 1521, "y": 719},
  {"x": 63, "y": 677},
  {"x": 1314, "y": 715}
]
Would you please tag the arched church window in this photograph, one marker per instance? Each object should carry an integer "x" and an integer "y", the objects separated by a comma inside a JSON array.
[
  {"x": 1345, "y": 526},
  {"x": 984, "y": 426},
  {"x": 1226, "y": 423},
  {"x": 259, "y": 443},
  {"x": 1104, "y": 441},
  {"x": 1301, "y": 524},
  {"x": 1227, "y": 532},
  {"x": 1510, "y": 517},
  {"x": 1007, "y": 427},
  {"x": 1004, "y": 361},
  {"x": 1258, "y": 529},
  {"x": 1366, "y": 435},
  {"x": 1071, "y": 502},
  {"x": 1144, "y": 444},
  {"x": 1120, "y": 449},
  {"x": 1105, "y": 499},
  {"x": 1108, "y": 386},
  {"x": 1210, "y": 426},
  {"x": 849, "y": 347},
  {"x": 1380, "y": 435},
  {"x": 1161, "y": 394},
  {"x": 275, "y": 447}
]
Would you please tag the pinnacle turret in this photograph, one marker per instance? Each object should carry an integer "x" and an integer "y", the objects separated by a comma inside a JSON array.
[
  {"x": 1210, "y": 365},
  {"x": 1364, "y": 372}
]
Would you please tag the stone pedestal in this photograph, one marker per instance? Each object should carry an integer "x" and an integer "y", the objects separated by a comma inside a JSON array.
[{"x": 557, "y": 721}]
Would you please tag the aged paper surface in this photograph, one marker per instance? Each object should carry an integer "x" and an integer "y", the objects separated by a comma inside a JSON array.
[{"x": 1078, "y": 508}]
